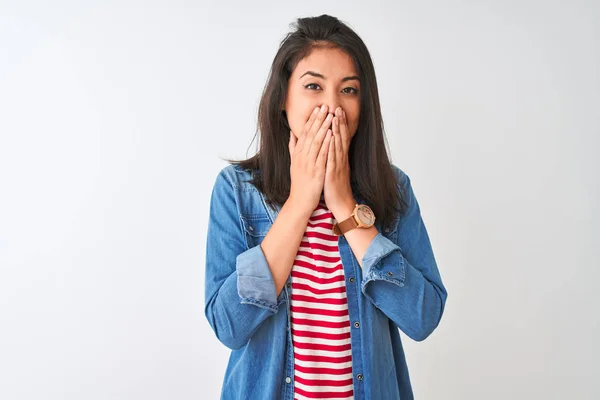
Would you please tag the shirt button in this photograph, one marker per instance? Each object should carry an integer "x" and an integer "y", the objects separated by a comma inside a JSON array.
[
  {"x": 351, "y": 279},
  {"x": 251, "y": 228},
  {"x": 357, "y": 324},
  {"x": 359, "y": 377},
  {"x": 288, "y": 379},
  {"x": 387, "y": 230},
  {"x": 390, "y": 273},
  {"x": 289, "y": 285}
]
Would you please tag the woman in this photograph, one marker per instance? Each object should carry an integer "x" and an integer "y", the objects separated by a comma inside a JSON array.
[{"x": 316, "y": 250}]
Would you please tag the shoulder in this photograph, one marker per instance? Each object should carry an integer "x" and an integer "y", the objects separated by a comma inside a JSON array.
[
  {"x": 401, "y": 176},
  {"x": 234, "y": 176},
  {"x": 233, "y": 186}
]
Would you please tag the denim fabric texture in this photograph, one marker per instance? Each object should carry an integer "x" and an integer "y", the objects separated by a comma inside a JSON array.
[{"x": 398, "y": 287}]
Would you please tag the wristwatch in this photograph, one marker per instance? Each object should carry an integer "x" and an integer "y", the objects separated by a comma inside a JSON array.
[{"x": 361, "y": 217}]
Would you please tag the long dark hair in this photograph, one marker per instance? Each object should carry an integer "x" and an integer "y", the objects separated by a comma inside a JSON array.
[{"x": 372, "y": 174}]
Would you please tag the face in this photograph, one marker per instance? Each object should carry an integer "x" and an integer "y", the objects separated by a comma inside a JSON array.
[{"x": 326, "y": 76}]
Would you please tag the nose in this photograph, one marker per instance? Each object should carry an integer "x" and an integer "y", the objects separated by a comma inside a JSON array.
[{"x": 332, "y": 101}]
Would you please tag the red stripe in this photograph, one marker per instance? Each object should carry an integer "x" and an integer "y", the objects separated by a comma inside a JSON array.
[
  {"x": 318, "y": 257},
  {"x": 321, "y": 335},
  {"x": 325, "y": 395},
  {"x": 324, "y": 225},
  {"x": 318, "y": 246},
  {"x": 315, "y": 370},
  {"x": 334, "y": 360},
  {"x": 330, "y": 313},
  {"x": 314, "y": 322},
  {"x": 323, "y": 236},
  {"x": 312, "y": 278},
  {"x": 323, "y": 382},
  {"x": 322, "y": 347},
  {"x": 318, "y": 268},
  {"x": 300, "y": 297},
  {"x": 325, "y": 215},
  {"x": 302, "y": 286}
]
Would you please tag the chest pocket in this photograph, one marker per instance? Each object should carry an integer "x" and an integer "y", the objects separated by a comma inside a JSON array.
[{"x": 255, "y": 228}]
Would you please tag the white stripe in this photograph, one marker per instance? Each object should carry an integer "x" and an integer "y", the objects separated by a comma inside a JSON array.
[
  {"x": 323, "y": 353},
  {"x": 301, "y": 397},
  {"x": 324, "y": 376},
  {"x": 319, "y": 274},
  {"x": 318, "y": 263},
  {"x": 316, "y": 317},
  {"x": 320, "y": 389},
  {"x": 318, "y": 240},
  {"x": 318, "y": 212},
  {"x": 322, "y": 306},
  {"x": 321, "y": 286},
  {"x": 320, "y": 252},
  {"x": 319, "y": 277},
  {"x": 321, "y": 329},
  {"x": 322, "y": 229},
  {"x": 335, "y": 265},
  {"x": 303, "y": 339},
  {"x": 312, "y": 364},
  {"x": 304, "y": 292}
]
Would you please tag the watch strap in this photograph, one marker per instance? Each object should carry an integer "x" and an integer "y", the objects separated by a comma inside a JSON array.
[{"x": 344, "y": 226}]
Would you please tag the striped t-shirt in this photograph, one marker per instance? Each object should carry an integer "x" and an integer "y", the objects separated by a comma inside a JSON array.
[{"x": 319, "y": 314}]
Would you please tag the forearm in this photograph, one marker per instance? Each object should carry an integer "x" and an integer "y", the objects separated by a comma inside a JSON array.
[{"x": 281, "y": 243}]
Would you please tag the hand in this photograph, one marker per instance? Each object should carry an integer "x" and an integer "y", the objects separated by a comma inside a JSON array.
[
  {"x": 308, "y": 155},
  {"x": 337, "y": 190}
]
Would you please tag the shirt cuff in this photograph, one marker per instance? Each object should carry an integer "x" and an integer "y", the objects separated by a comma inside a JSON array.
[
  {"x": 255, "y": 282},
  {"x": 373, "y": 267}
]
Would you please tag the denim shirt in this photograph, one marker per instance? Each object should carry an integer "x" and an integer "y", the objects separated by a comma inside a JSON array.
[{"x": 398, "y": 287}]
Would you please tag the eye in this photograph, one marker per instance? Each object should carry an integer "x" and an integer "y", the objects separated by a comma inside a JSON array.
[
  {"x": 310, "y": 84},
  {"x": 352, "y": 90}
]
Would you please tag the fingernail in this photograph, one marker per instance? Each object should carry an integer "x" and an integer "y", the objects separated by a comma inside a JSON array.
[{"x": 323, "y": 108}]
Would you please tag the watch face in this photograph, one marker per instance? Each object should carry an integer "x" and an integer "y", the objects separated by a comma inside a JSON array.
[{"x": 365, "y": 215}]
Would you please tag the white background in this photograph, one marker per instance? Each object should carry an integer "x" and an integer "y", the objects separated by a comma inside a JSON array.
[{"x": 114, "y": 116}]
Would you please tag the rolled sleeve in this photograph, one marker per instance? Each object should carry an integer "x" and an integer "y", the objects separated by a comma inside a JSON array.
[
  {"x": 374, "y": 269},
  {"x": 255, "y": 282}
]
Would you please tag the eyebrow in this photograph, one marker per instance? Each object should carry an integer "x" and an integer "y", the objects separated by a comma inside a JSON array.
[{"x": 316, "y": 74}]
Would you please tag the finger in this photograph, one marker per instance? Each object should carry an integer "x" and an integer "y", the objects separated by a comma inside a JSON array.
[
  {"x": 338, "y": 139},
  {"x": 317, "y": 141},
  {"x": 319, "y": 120},
  {"x": 309, "y": 123},
  {"x": 331, "y": 154},
  {"x": 323, "y": 153},
  {"x": 311, "y": 119},
  {"x": 344, "y": 132}
]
